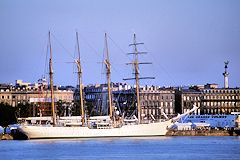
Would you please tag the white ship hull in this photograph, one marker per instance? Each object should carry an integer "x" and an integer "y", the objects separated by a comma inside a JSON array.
[{"x": 151, "y": 129}]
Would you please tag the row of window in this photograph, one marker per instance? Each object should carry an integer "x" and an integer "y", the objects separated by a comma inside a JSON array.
[
  {"x": 156, "y": 111},
  {"x": 94, "y": 90},
  {"x": 191, "y": 98},
  {"x": 4, "y": 90},
  {"x": 217, "y": 104},
  {"x": 195, "y": 98},
  {"x": 223, "y": 97},
  {"x": 227, "y": 104},
  {"x": 5, "y": 97},
  {"x": 220, "y": 111},
  {"x": 222, "y": 91},
  {"x": 155, "y": 97},
  {"x": 190, "y": 104},
  {"x": 93, "y": 96},
  {"x": 23, "y": 97},
  {"x": 159, "y": 104}
]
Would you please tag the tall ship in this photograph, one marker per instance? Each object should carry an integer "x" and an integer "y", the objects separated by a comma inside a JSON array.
[{"x": 112, "y": 125}]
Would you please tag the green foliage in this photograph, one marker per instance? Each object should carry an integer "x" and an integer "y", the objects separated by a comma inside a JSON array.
[
  {"x": 76, "y": 110},
  {"x": 24, "y": 110},
  {"x": 7, "y": 115},
  {"x": 90, "y": 109},
  {"x": 60, "y": 108}
]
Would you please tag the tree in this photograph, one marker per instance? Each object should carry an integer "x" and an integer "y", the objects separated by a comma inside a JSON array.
[
  {"x": 7, "y": 115},
  {"x": 90, "y": 111},
  {"x": 24, "y": 110}
]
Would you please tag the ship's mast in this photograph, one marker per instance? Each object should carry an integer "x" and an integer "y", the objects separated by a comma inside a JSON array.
[
  {"x": 108, "y": 73},
  {"x": 135, "y": 64},
  {"x": 51, "y": 81},
  {"x": 136, "y": 69},
  {"x": 78, "y": 62}
]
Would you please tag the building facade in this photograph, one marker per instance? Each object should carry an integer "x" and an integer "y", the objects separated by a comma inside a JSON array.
[
  {"x": 186, "y": 98},
  {"x": 209, "y": 98},
  {"x": 97, "y": 97},
  {"x": 154, "y": 100},
  {"x": 37, "y": 95},
  {"x": 157, "y": 101},
  {"x": 220, "y": 101}
]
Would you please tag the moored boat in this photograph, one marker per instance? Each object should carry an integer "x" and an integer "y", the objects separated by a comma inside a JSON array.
[
  {"x": 103, "y": 130},
  {"x": 112, "y": 125}
]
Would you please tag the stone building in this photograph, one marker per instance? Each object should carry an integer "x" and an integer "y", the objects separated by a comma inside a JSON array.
[
  {"x": 5, "y": 93},
  {"x": 37, "y": 95},
  {"x": 97, "y": 96},
  {"x": 220, "y": 101},
  {"x": 186, "y": 98},
  {"x": 210, "y": 99},
  {"x": 154, "y": 100},
  {"x": 94, "y": 95}
]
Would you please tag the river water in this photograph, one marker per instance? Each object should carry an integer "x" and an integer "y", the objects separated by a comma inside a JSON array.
[{"x": 171, "y": 148}]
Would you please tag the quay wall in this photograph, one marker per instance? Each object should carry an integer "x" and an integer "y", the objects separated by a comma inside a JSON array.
[
  {"x": 211, "y": 132},
  {"x": 169, "y": 133}
]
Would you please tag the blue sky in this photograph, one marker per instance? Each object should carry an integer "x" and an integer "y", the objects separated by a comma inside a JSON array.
[{"x": 187, "y": 41}]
